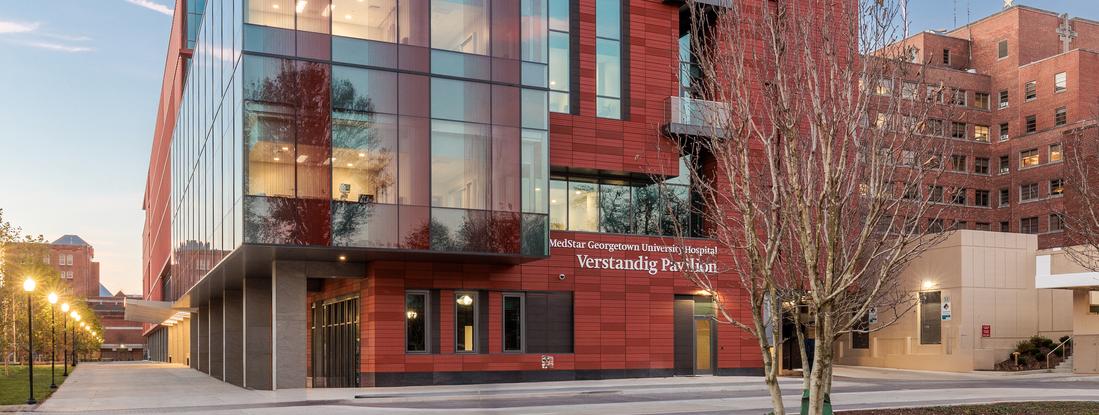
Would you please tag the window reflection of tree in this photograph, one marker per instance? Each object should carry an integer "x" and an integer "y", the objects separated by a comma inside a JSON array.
[{"x": 614, "y": 208}]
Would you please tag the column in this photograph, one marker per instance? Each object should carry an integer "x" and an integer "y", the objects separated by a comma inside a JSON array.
[
  {"x": 217, "y": 336},
  {"x": 203, "y": 356},
  {"x": 233, "y": 321},
  {"x": 192, "y": 344},
  {"x": 256, "y": 307},
  {"x": 290, "y": 332}
]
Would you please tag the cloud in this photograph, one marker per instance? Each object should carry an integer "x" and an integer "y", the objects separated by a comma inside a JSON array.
[
  {"x": 56, "y": 46},
  {"x": 17, "y": 27},
  {"x": 66, "y": 37},
  {"x": 151, "y": 5}
]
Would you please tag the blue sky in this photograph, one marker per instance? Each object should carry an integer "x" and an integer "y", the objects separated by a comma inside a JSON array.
[{"x": 79, "y": 82}]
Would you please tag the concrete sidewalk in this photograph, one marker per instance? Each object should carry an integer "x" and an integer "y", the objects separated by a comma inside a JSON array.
[{"x": 145, "y": 387}]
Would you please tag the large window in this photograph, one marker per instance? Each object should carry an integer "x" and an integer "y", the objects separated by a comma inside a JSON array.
[
  {"x": 514, "y": 326},
  {"x": 1028, "y": 192},
  {"x": 1060, "y": 116},
  {"x": 365, "y": 19},
  {"x": 980, "y": 133},
  {"x": 981, "y": 198},
  {"x": 465, "y": 322},
  {"x": 1030, "y": 90},
  {"x": 364, "y": 137},
  {"x": 930, "y": 318},
  {"x": 618, "y": 206},
  {"x": 417, "y": 316},
  {"x": 560, "y": 62},
  {"x": 460, "y": 26},
  {"x": 1055, "y": 153},
  {"x": 459, "y": 165},
  {"x": 1028, "y": 225},
  {"x": 1004, "y": 99},
  {"x": 608, "y": 58}
]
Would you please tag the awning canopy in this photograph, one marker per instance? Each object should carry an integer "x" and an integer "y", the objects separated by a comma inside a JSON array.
[{"x": 155, "y": 312}]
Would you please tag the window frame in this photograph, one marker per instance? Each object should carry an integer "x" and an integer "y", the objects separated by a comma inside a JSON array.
[
  {"x": 427, "y": 321},
  {"x": 1005, "y": 96},
  {"x": 1031, "y": 123},
  {"x": 522, "y": 322},
  {"x": 1060, "y": 82},
  {"x": 1060, "y": 184},
  {"x": 476, "y": 320},
  {"x": 1058, "y": 149},
  {"x": 1028, "y": 189},
  {"x": 1026, "y": 223},
  {"x": 1029, "y": 154},
  {"x": 1030, "y": 91},
  {"x": 1002, "y": 51},
  {"x": 1060, "y": 116}
]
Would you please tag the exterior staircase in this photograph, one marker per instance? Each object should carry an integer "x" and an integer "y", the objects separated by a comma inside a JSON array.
[{"x": 1064, "y": 367}]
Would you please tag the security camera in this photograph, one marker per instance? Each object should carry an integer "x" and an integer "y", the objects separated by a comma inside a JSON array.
[{"x": 561, "y": 277}]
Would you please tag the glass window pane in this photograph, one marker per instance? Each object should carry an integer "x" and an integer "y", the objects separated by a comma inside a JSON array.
[
  {"x": 559, "y": 15},
  {"x": 365, "y": 19},
  {"x": 465, "y": 321},
  {"x": 535, "y": 113},
  {"x": 607, "y": 68},
  {"x": 468, "y": 231},
  {"x": 460, "y": 25},
  {"x": 459, "y": 165},
  {"x": 608, "y": 107},
  {"x": 535, "y": 235},
  {"x": 513, "y": 323},
  {"x": 507, "y": 29},
  {"x": 646, "y": 201},
  {"x": 414, "y": 161},
  {"x": 414, "y": 229},
  {"x": 269, "y": 149},
  {"x": 416, "y": 322},
  {"x": 415, "y": 99},
  {"x": 505, "y": 169},
  {"x": 504, "y": 110},
  {"x": 364, "y": 90},
  {"x": 534, "y": 30},
  {"x": 313, "y": 135},
  {"x": 313, "y": 15},
  {"x": 460, "y": 100},
  {"x": 364, "y": 225},
  {"x": 614, "y": 209},
  {"x": 535, "y": 170},
  {"x": 274, "y": 13},
  {"x": 558, "y": 205},
  {"x": 559, "y": 61},
  {"x": 414, "y": 22},
  {"x": 462, "y": 65},
  {"x": 364, "y": 157},
  {"x": 583, "y": 207},
  {"x": 364, "y": 52},
  {"x": 676, "y": 213},
  {"x": 608, "y": 19},
  {"x": 286, "y": 221},
  {"x": 559, "y": 102}
]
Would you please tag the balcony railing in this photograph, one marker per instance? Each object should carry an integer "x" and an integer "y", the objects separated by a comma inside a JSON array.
[{"x": 695, "y": 117}]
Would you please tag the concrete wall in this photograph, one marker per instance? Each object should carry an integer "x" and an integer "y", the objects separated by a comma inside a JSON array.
[
  {"x": 179, "y": 342},
  {"x": 989, "y": 279}
]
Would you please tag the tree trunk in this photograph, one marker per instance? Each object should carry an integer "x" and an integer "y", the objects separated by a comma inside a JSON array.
[{"x": 820, "y": 378}]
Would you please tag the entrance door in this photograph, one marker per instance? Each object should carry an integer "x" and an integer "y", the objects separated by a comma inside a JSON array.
[
  {"x": 335, "y": 333},
  {"x": 695, "y": 335}
]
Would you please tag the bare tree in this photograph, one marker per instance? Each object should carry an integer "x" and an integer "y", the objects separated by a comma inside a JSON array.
[
  {"x": 1081, "y": 204},
  {"x": 819, "y": 167}
]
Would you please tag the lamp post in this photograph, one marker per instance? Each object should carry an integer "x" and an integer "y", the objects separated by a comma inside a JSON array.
[
  {"x": 52, "y": 298},
  {"x": 85, "y": 328},
  {"x": 28, "y": 286},
  {"x": 65, "y": 338},
  {"x": 76, "y": 319}
]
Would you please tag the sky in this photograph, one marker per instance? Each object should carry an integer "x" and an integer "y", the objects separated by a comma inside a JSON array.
[{"x": 79, "y": 83}]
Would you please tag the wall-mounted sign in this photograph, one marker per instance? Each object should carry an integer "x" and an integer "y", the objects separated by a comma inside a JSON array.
[
  {"x": 946, "y": 308},
  {"x": 986, "y": 330},
  {"x": 675, "y": 258}
]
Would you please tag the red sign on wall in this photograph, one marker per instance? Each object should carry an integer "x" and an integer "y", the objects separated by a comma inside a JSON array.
[{"x": 986, "y": 330}]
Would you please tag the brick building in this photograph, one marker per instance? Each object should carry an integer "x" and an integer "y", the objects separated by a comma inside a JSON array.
[
  {"x": 122, "y": 340},
  {"x": 72, "y": 257},
  {"x": 1023, "y": 78},
  {"x": 424, "y": 192}
]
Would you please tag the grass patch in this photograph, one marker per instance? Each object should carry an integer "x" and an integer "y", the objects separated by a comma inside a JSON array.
[
  {"x": 1011, "y": 408},
  {"x": 13, "y": 383}
]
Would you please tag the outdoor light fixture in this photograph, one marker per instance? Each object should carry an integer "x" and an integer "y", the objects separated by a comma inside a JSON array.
[
  {"x": 65, "y": 307},
  {"x": 28, "y": 286},
  {"x": 465, "y": 300},
  {"x": 343, "y": 258},
  {"x": 52, "y": 298},
  {"x": 928, "y": 284},
  {"x": 65, "y": 338},
  {"x": 411, "y": 315}
]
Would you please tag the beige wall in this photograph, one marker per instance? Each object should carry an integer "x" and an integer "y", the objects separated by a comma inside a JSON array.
[
  {"x": 989, "y": 278},
  {"x": 179, "y": 341}
]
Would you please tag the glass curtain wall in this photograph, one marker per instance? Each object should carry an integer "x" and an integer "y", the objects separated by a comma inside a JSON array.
[
  {"x": 608, "y": 58},
  {"x": 206, "y": 146},
  {"x": 401, "y": 130}
]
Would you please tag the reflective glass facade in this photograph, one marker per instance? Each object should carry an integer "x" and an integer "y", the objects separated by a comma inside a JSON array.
[{"x": 415, "y": 124}]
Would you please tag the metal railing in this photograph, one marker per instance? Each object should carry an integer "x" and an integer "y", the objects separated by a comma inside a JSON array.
[
  {"x": 1067, "y": 344},
  {"x": 696, "y": 112}
]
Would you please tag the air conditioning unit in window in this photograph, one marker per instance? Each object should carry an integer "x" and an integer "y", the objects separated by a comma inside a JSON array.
[{"x": 1004, "y": 137}]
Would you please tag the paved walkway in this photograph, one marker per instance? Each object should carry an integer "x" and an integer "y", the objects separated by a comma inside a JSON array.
[{"x": 144, "y": 387}]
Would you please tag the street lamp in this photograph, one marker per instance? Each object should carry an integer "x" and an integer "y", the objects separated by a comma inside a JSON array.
[
  {"x": 65, "y": 338},
  {"x": 28, "y": 286},
  {"x": 52, "y": 298},
  {"x": 76, "y": 318}
]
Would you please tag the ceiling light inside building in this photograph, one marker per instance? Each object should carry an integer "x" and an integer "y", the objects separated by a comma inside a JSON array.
[
  {"x": 465, "y": 300},
  {"x": 301, "y": 6}
]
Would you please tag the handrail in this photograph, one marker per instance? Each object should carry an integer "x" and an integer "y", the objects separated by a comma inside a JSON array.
[{"x": 1054, "y": 350}]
